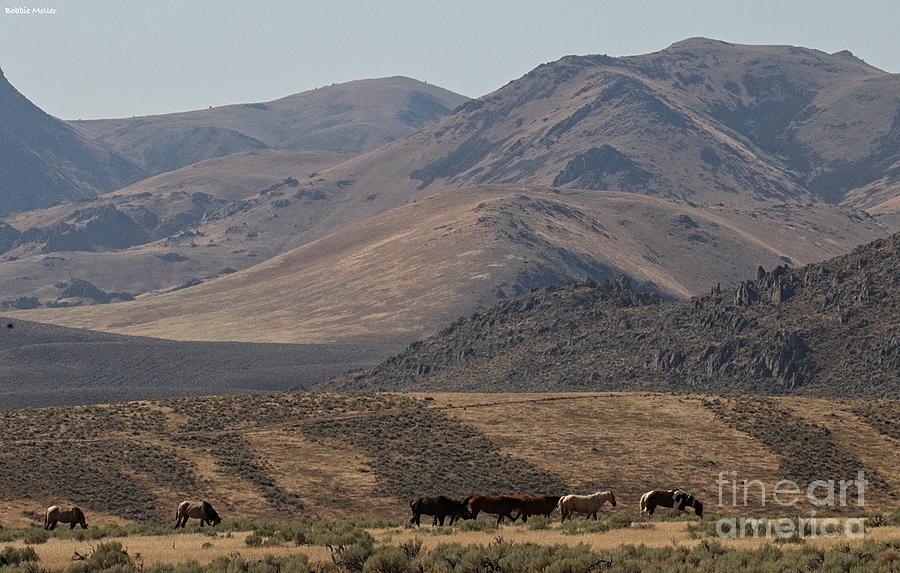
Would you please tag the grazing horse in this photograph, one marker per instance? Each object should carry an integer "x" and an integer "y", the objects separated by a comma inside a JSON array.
[
  {"x": 201, "y": 510},
  {"x": 55, "y": 514},
  {"x": 589, "y": 504},
  {"x": 499, "y": 505},
  {"x": 537, "y": 505},
  {"x": 674, "y": 498},
  {"x": 439, "y": 507}
]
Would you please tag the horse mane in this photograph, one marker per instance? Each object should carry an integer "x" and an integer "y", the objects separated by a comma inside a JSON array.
[{"x": 208, "y": 510}]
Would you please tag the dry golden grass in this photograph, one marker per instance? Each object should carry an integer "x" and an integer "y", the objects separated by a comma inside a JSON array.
[
  {"x": 173, "y": 549},
  {"x": 660, "y": 534},
  {"x": 56, "y": 554},
  {"x": 404, "y": 273}
]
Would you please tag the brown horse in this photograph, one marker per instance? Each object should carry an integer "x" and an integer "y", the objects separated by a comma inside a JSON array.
[
  {"x": 201, "y": 510},
  {"x": 499, "y": 505},
  {"x": 674, "y": 498},
  {"x": 439, "y": 507},
  {"x": 589, "y": 504},
  {"x": 55, "y": 514},
  {"x": 537, "y": 505}
]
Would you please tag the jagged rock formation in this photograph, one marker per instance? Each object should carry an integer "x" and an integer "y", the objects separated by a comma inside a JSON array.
[{"x": 829, "y": 329}]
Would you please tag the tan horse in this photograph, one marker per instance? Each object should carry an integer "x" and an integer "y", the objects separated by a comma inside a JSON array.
[
  {"x": 589, "y": 504},
  {"x": 201, "y": 510},
  {"x": 55, "y": 514}
]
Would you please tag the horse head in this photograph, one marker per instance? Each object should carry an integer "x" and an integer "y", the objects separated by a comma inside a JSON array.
[
  {"x": 211, "y": 514},
  {"x": 79, "y": 517},
  {"x": 698, "y": 508}
]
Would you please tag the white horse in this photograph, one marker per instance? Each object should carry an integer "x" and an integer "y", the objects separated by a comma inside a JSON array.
[{"x": 589, "y": 504}]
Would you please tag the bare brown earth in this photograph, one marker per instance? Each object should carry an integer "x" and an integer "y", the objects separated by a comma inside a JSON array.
[
  {"x": 166, "y": 252},
  {"x": 683, "y": 168},
  {"x": 47, "y": 365},
  {"x": 277, "y": 456},
  {"x": 408, "y": 272}
]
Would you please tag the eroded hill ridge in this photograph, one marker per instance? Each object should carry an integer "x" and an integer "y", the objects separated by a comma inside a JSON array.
[{"x": 828, "y": 329}]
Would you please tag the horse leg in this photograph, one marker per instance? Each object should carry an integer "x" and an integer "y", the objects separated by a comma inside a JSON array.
[
  {"x": 441, "y": 519},
  {"x": 52, "y": 525},
  {"x": 72, "y": 526}
]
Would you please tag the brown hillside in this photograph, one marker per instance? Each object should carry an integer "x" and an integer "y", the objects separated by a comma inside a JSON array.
[
  {"x": 144, "y": 237},
  {"x": 352, "y": 117},
  {"x": 408, "y": 272},
  {"x": 828, "y": 329},
  {"x": 278, "y": 456},
  {"x": 743, "y": 140}
]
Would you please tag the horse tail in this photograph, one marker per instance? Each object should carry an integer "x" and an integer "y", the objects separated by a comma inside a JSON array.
[
  {"x": 47, "y": 518},
  {"x": 644, "y": 502}
]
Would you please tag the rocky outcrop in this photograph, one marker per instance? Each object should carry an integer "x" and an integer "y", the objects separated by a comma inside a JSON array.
[
  {"x": 826, "y": 329},
  {"x": 93, "y": 229},
  {"x": 602, "y": 168}
]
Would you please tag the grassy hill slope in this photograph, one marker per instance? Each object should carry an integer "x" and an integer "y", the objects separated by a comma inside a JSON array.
[{"x": 284, "y": 455}]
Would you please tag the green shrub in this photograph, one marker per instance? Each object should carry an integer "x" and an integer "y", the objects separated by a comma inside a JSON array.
[
  {"x": 412, "y": 547},
  {"x": 352, "y": 558},
  {"x": 582, "y": 526},
  {"x": 35, "y": 536},
  {"x": 8, "y": 535},
  {"x": 109, "y": 555},
  {"x": 538, "y": 522},
  {"x": 894, "y": 518},
  {"x": 17, "y": 555},
  {"x": 390, "y": 559},
  {"x": 476, "y": 525}
]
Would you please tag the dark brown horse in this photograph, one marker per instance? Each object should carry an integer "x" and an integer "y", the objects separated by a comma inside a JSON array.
[
  {"x": 55, "y": 514},
  {"x": 674, "y": 498},
  {"x": 537, "y": 505},
  {"x": 439, "y": 507},
  {"x": 500, "y": 505},
  {"x": 201, "y": 510}
]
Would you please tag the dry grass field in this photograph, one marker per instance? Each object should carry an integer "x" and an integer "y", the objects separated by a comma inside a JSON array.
[
  {"x": 280, "y": 456},
  {"x": 176, "y": 549}
]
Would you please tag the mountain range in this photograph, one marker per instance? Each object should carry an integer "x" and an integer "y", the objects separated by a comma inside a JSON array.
[
  {"x": 44, "y": 161},
  {"x": 681, "y": 169},
  {"x": 352, "y": 117}
]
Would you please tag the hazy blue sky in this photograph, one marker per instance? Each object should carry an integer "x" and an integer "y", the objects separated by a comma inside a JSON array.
[{"x": 123, "y": 58}]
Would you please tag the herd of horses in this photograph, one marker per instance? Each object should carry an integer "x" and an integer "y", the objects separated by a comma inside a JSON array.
[
  {"x": 513, "y": 507},
  {"x": 440, "y": 507}
]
